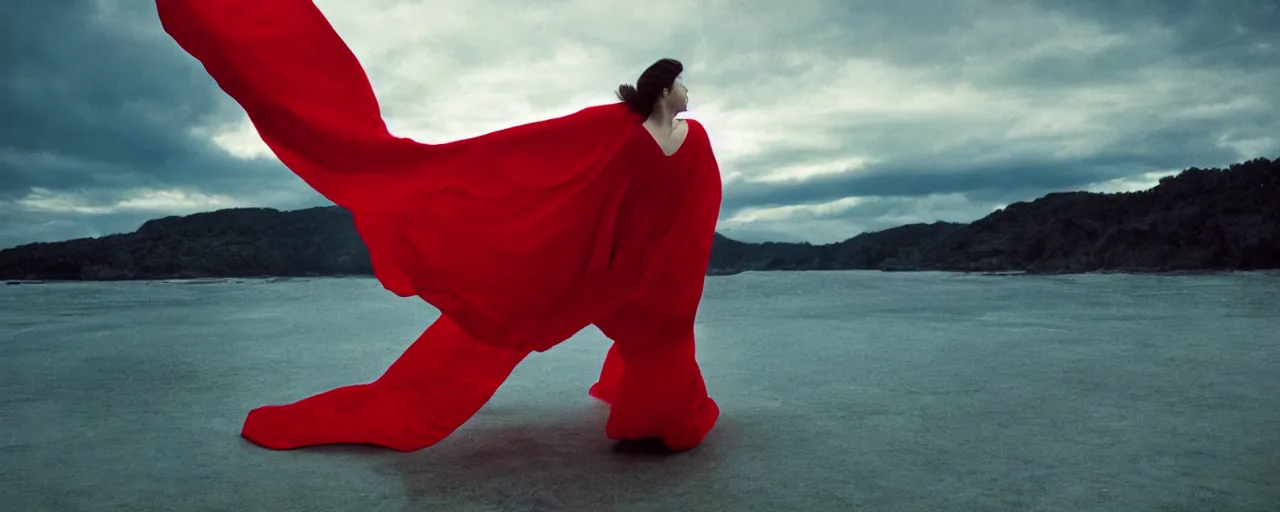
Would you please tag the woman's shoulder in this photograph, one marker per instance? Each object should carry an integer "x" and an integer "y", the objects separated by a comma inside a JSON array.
[
  {"x": 694, "y": 126},
  {"x": 698, "y": 131}
]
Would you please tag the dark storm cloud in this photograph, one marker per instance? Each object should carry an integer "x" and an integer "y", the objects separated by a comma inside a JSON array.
[
  {"x": 1208, "y": 53},
  {"x": 98, "y": 101},
  {"x": 1011, "y": 177},
  {"x": 1214, "y": 33},
  {"x": 1219, "y": 35},
  {"x": 1003, "y": 179},
  {"x": 90, "y": 104},
  {"x": 1207, "y": 32}
]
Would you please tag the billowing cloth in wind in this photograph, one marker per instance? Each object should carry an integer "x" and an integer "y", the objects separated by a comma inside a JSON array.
[{"x": 520, "y": 237}]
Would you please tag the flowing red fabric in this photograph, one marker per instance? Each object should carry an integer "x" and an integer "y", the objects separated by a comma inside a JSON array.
[{"x": 520, "y": 237}]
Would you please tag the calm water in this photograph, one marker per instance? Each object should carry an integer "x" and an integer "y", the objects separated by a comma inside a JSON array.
[{"x": 840, "y": 391}]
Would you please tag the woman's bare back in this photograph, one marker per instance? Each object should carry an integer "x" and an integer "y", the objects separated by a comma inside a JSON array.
[{"x": 672, "y": 142}]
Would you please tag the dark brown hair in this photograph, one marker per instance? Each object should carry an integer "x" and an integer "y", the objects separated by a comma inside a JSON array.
[{"x": 658, "y": 76}]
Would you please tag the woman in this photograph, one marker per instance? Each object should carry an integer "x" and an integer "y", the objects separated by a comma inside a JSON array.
[{"x": 520, "y": 237}]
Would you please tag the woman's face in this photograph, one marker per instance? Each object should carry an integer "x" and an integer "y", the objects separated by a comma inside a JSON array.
[{"x": 677, "y": 97}]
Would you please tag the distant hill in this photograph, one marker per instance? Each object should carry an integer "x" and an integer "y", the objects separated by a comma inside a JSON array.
[{"x": 1202, "y": 219}]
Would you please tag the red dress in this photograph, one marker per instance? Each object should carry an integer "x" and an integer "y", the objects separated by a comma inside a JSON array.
[{"x": 520, "y": 237}]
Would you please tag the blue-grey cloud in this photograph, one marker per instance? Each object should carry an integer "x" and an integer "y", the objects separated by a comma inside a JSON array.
[{"x": 89, "y": 105}]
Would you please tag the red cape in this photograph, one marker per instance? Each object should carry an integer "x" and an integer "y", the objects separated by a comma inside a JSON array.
[{"x": 520, "y": 237}]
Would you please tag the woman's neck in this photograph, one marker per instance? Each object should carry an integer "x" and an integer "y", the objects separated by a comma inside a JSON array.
[{"x": 662, "y": 118}]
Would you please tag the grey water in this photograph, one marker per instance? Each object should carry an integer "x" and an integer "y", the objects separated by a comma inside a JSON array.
[{"x": 840, "y": 391}]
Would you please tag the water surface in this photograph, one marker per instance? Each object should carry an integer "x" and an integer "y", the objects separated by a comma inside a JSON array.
[{"x": 840, "y": 391}]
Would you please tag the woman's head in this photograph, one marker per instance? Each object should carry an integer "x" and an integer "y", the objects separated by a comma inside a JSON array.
[{"x": 658, "y": 85}]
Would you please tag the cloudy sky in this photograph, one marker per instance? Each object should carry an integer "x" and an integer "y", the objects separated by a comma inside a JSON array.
[{"x": 830, "y": 117}]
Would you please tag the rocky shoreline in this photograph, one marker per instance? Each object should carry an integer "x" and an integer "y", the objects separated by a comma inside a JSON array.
[{"x": 1200, "y": 220}]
